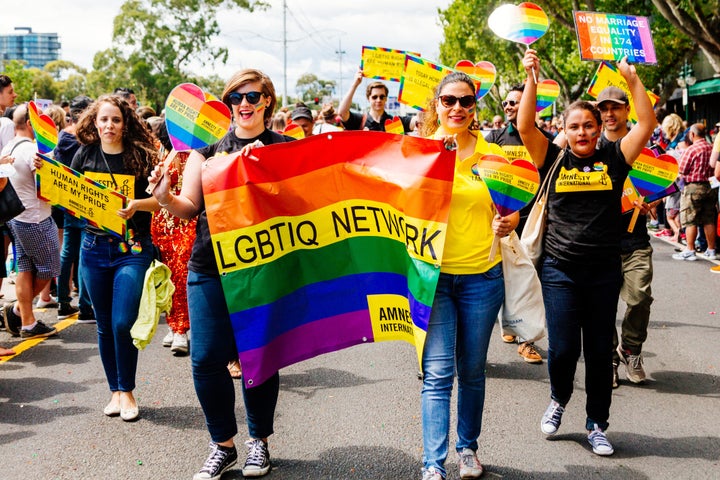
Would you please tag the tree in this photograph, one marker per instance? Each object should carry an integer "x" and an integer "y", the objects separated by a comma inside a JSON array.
[
  {"x": 22, "y": 79},
  {"x": 309, "y": 87}
]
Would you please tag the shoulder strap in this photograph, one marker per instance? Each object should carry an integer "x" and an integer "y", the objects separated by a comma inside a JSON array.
[
  {"x": 545, "y": 187},
  {"x": 24, "y": 140}
]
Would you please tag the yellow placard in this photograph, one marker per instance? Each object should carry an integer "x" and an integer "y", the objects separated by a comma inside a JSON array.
[
  {"x": 608, "y": 76},
  {"x": 383, "y": 63},
  {"x": 419, "y": 80},
  {"x": 80, "y": 196}
]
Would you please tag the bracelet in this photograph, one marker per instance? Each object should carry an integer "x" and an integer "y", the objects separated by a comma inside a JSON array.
[{"x": 164, "y": 205}]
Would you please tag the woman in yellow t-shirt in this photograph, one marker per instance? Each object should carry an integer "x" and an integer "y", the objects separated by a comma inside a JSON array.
[{"x": 469, "y": 293}]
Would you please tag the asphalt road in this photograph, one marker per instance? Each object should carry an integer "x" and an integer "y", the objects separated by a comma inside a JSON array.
[{"x": 355, "y": 414}]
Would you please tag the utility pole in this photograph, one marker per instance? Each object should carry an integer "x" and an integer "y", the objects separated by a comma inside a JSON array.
[
  {"x": 340, "y": 52},
  {"x": 284, "y": 102}
]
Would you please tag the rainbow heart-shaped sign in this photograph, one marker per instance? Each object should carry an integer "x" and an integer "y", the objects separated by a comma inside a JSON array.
[
  {"x": 294, "y": 130},
  {"x": 547, "y": 92},
  {"x": 524, "y": 23},
  {"x": 651, "y": 174},
  {"x": 394, "y": 126},
  {"x": 484, "y": 72},
  {"x": 46, "y": 133},
  {"x": 192, "y": 120}
]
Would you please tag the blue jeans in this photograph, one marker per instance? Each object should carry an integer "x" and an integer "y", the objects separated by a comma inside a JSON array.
[
  {"x": 70, "y": 254},
  {"x": 213, "y": 346},
  {"x": 463, "y": 315},
  {"x": 580, "y": 308},
  {"x": 115, "y": 284}
]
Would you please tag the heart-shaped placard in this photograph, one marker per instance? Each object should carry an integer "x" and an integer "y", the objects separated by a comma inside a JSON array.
[
  {"x": 484, "y": 72},
  {"x": 651, "y": 174},
  {"x": 294, "y": 130},
  {"x": 394, "y": 126},
  {"x": 523, "y": 23},
  {"x": 46, "y": 133},
  {"x": 512, "y": 185},
  {"x": 192, "y": 120},
  {"x": 547, "y": 92}
]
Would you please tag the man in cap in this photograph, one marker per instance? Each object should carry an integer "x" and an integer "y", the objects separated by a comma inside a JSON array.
[{"x": 302, "y": 116}]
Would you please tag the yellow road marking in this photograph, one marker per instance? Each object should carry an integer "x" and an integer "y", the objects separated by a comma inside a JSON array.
[{"x": 31, "y": 342}]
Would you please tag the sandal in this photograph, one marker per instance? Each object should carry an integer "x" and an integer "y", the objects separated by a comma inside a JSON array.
[{"x": 235, "y": 369}]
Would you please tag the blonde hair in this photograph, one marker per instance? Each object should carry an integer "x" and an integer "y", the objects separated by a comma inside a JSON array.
[
  {"x": 57, "y": 114},
  {"x": 672, "y": 126}
]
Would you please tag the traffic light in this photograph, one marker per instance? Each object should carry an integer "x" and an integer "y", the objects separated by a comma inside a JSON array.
[{"x": 317, "y": 100}]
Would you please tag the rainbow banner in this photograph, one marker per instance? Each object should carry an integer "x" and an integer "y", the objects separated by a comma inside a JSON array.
[
  {"x": 383, "y": 63},
  {"x": 327, "y": 243},
  {"x": 46, "y": 133},
  {"x": 607, "y": 75},
  {"x": 419, "y": 80},
  {"x": 612, "y": 36}
]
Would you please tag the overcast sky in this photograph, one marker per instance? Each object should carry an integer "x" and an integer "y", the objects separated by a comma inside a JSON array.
[{"x": 316, "y": 29}]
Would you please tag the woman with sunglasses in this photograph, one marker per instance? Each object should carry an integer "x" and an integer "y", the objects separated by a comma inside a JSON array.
[
  {"x": 250, "y": 94},
  {"x": 469, "y": 292},
  {"x": 580, "y": 270},
  {"x": 118, "y": 151}
]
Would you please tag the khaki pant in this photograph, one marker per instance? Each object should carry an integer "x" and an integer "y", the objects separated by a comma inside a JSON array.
[{"x": 637, "y": 294}]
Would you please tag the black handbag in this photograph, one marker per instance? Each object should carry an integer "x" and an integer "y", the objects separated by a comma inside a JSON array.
[{"x": 10, "y": 204}]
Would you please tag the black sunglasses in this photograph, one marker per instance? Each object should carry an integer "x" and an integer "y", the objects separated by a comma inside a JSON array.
[
  {"x": 449, "y": 101},
  {"x": 375, "y": 97},
  {"x": 253, "y": 98},
  {"x": 512, "y": 103}
]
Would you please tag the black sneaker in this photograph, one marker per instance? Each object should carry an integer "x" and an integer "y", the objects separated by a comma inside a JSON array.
[
  {"x": 86, "y": 317},
  {"x": 38, "y": 331},
  {"x": 257, "y": 463},
  {"x": 13, "y": 322},
  {"x": 220, "y": 460},
  {"x": 66, "y": 310}
]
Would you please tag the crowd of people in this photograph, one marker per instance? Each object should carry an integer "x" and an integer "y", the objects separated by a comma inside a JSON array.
[{"x": 589, "y": 259}]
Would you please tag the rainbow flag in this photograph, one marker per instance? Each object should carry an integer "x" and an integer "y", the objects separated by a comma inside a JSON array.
[{"x": 328, "y": 243}]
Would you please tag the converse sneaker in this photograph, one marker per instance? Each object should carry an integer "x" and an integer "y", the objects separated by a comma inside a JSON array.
[
  {"x": 179, "y": 344},
  {"x": 552, "y": 418},
  {"x": 529, "y": 353},
  {"x": 468, "y": 464},
  {"x": 220, "y": 460},
  {"x": 599, "y": 442},
  {"x": 257, "y": 463},
  {"x": 431, "y": 474},
  {"x": 13, "y": 321},
  {"x": 168, "y": 338},
  {"x": 40, "y": 330},
  {"x": 66, "y": 310},
  {"x": 687, "y": 255},
  {"x": 633, "y": 365}
]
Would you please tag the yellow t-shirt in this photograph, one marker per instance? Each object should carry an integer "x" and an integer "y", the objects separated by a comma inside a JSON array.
[{"x": 469, "y": 231}]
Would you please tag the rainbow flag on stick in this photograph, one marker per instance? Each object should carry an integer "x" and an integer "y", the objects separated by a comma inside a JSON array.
[{"x": 328, "y": 243}]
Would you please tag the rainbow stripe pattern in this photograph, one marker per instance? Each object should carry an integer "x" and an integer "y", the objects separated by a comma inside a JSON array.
[
  {"x": 612, "y": 36},
  {"x": 394, "y": 126},
  {"x": 651, "y": 174},
  {"x": 46, "y": 133},
  {"x": 328, "y": 243},
  {"x": 192, "y": 120},
  {"x": 294, "y": 130},
  {"x": 524, "y": 23},
  {"x": 483, "y": 73},
  {"x": 512, "y": 185},
  {"x": 547, "y": 92}
]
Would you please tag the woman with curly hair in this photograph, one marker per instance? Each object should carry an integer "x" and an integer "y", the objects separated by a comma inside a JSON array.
[{"x": 118, "y": 151}]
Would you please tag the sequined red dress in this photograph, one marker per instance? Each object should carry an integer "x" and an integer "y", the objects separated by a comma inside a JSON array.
[{"x": 174, "y": 237}]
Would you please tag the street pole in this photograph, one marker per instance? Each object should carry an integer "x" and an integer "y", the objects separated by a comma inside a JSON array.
[
  {"x": 340, "y": 53},
  {"x": 284, "y": 102}
]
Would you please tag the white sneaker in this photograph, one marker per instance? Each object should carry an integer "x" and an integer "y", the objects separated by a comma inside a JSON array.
[
  {"x": 687, "y": 255},
  {"x": 599, "y": 442},
  {"x": 709, "y": 254},
  {"x": 168, "y": 339},
  {"x": 179, "y": 343}
]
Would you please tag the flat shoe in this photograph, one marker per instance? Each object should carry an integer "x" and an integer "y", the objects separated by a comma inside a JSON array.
[
  {"x": 112, "y": 410},
  {"x": 129, "y": 414}
]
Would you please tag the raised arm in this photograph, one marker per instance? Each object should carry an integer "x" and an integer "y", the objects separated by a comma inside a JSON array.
[
  {"x": 188, "y": 204},
  {"x": 535, "y": 142},
  {"x": 344, "y": 107},
  {"x": 633, "y": 143}
]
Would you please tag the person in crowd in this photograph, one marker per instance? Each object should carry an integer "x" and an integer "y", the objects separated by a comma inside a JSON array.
[
  {"x": 374, "y": 119},
  {"x": 117, "y": 150},
  {"x": 581, "y": 270},
  {"x": 635, "y": 249},
  {"x": 73, "y": 227},
  {"x": 497, "y": 122},
  {"x": 302, "y": 116},
  {"x": 326, "y": 121},
  {"x": 145, "y": 112},
  {"x": 469, "y": 293},
  {"x": 698, "y": 207},
  {"x": 250, "y": 94},
  {"x": 279, "y": 122},
  {"x": 34, "y": 232},
  {"x": 672, "y": 128},
  {"x": 7, "y": 100},
  {"x": 4, "y": 352},
  {"x": 128, "y": 95},
  {"x": 174, "y": 237}
]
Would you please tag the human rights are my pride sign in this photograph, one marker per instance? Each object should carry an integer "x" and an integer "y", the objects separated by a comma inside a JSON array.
[{"x": 611, "y": 36}]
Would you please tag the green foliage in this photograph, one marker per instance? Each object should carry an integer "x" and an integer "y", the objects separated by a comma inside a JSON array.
[
  {"x": 309, "y": 87},
  {"x": 21, "y": 78}
]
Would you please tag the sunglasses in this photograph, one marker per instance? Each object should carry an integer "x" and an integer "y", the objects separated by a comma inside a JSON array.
[
  {"x": 449, "y": 101},
  {"x": 512, "y": 103},
  {"x": 381, "y": 97},
  {"x": 253, "y": 98}
]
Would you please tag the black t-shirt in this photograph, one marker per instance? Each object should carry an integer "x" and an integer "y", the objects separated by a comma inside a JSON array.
[
  {"x": 202, "y": 258},
  {"x": 584, "y": 219},
  {"x": 355, "y": 122},
  {"x": 89, "y": 161}
]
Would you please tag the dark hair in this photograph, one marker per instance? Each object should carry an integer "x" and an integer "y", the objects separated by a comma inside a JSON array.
[
  {"x": 123, "y": 90},
  {"x": 517, "y": 88},
  {"x": 139, "y": 153},
  {"x": 78, "y": 105},
  {"x": 249, "y": 76},
  {"x": 430, "y": 122},
  {"x": 370, "y": 87},
  {"x": 4, "y": 81},
  {"x": 583, "y": 105}
]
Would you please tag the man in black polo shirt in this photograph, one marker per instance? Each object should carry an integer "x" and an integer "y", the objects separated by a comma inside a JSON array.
[{"x": 374, "y": 119}]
